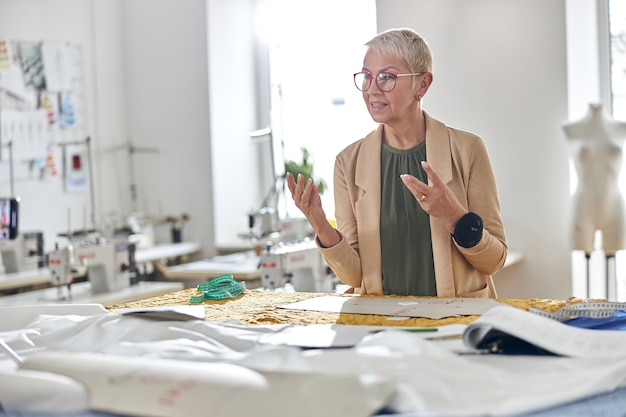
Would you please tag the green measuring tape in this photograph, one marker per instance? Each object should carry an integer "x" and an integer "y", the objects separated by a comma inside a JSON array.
[{"x": 220, "y": 288}]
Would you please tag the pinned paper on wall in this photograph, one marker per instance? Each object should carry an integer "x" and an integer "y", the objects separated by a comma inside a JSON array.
[
  {"x": 12, "y": 82},
  {"x": 76, "y": 168},
  {"x": 32, "y": 65},
  {"x": 42, "y": 92},
  {"x": 27, "y": 131},
  {"x": 67, "y": 115},
  {"x": 49, "y": 163},
  {"x": 57, "y": 65},
  {"x": 49, "y": 103},
  {"x": 5, "y": 54}
]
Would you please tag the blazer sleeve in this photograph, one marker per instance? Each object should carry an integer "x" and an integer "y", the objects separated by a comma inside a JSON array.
[
  {"x": 489, "y": 255},
  {"x": 344, "y": 258}
]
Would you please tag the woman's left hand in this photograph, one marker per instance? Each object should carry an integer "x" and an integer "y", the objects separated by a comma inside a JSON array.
[{"x": 436, "y": 198}]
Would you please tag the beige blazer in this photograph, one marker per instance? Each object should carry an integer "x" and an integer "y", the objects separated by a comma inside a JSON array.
[{"x": 462, "y": 162}]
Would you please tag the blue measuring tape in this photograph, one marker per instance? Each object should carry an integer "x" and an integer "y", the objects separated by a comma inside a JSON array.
[{"x": 220, "y": 288}]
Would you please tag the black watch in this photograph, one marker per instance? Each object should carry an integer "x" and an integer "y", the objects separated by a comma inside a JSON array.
[{"x": 468, "y": 230}]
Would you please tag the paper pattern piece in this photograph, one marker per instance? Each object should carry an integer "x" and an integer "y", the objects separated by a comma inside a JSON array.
[
  {"x": 432, "y": 308},
  {"x": 178, "y": 313},
  {"x": 323, "y": 336}
]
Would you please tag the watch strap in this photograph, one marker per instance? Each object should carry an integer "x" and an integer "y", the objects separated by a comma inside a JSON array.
[{"x": 468, "y": 230}]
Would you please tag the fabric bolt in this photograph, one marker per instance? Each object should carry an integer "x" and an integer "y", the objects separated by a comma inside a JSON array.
[{"x": 615, "y": 322}]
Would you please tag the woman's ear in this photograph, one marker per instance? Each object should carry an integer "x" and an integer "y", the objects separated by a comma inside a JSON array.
[{"x": 425, "y": 82}]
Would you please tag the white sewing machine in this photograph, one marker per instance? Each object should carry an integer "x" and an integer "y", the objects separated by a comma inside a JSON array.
[
  {"x": 298, "y": 263},
  {"x": 60, "y": 264},
  {"x": 23, "y": 253},
  {"x": 109, "y": 265}
]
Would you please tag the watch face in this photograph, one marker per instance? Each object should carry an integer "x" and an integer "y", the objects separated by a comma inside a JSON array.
[{"x": 468, "y": 230}]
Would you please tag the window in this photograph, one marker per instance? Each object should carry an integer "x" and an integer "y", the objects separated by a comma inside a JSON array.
[
  {"x": 617, "y": 31},
  {"x": 314, "y": 49}
]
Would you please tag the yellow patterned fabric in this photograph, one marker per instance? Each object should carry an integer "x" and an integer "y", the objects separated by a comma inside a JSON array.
[{"x": 255, "y": 307}]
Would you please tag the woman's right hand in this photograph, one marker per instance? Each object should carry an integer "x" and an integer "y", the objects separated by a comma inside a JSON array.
[{"x": 306, "y": 196}]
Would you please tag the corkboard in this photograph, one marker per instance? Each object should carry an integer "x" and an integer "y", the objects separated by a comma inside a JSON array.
[{"x": 256, "y": 307}]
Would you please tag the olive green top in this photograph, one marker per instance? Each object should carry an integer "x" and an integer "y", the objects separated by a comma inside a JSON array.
[{"x": 406, "y": 243}]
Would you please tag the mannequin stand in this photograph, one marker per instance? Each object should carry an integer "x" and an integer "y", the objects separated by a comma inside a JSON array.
[{"x": 610, "y": 277}]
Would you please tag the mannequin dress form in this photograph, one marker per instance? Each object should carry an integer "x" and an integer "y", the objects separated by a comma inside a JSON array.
[{"x": 596, "y": 143}]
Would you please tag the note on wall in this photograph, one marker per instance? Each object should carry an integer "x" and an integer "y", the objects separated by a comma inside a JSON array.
[
  {"x": 32, "y": 65},
  {"x": 5, "y": 54},
  {"x": 27, "y": 131},
  {"x": 76, "y": 168},
  {"x": 42, "y": 92},
  {"x": 57, "y": 66}
]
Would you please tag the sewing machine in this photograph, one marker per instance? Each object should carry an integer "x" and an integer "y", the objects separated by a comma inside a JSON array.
[
  {"x": 288, "y": 254},
  {"x": 109, "y": 265},
  {"x": 23, "y": 253},
  {"x": 299, "y": 263},
  {"x": 60, "y": 262}
]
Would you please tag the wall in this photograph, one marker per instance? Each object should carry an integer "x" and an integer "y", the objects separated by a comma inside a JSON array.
[
  {"x": 166, "y": 86},
  {"x": 147, "y": 84},
  {"x": 238, "y": 179},
  {"x": 44, "y": 205},
  {"x": 500, "y": 71}
]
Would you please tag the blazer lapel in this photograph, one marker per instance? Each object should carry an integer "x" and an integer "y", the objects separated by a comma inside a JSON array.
[
  {"x": 367, "y": 207},
  {"x": 438, "y": 154},
  {"x": 438, "y": 148},
  {"x": 368, "y": 163}
]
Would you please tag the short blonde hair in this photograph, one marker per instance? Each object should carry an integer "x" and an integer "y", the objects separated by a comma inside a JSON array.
[{"x": 405, "y": 44}]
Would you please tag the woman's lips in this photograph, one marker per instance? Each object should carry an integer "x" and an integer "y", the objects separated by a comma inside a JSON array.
[{"x": 377, "y": 106}]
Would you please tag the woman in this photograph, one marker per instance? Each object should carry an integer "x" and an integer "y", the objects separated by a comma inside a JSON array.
[{"x": 416, "y": 202}]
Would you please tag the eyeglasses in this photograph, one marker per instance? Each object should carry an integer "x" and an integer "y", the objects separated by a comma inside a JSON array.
[{"x": 386, "y": 81}]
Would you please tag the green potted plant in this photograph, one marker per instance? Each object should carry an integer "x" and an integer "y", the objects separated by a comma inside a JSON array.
[{"x": 306, "y": 169}]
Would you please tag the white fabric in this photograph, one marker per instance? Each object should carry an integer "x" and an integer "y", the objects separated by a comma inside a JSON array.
[{"x": 425, "y": 378}]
